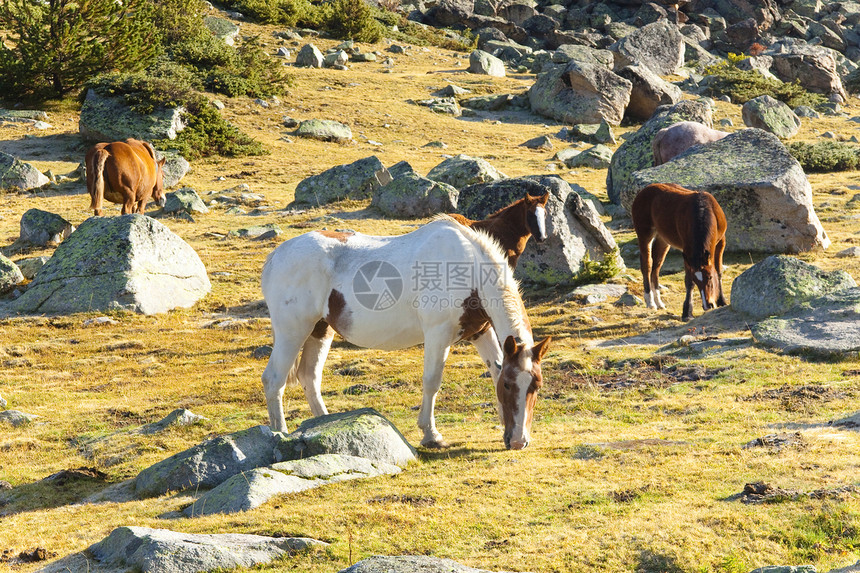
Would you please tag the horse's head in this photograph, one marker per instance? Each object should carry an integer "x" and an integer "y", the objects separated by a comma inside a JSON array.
[
  {"x": 517, "y": 389},
  {"x": 158, "y": 190},
  {"x": 536, "y": 215},
  {"x": 705, "y": 277}
]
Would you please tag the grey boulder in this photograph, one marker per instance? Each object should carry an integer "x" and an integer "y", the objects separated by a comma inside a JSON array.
[
  {"x": 461, "y": 171},
  {"x": 16, "y": 174},
  {"x": 163, "y": 551},
  {"x": 325, "y": 130},
  {"x": 363, "y": 433},
  {"x": 813, "y": 66},
  {"x": 42, "y": 228},
  {"x": 779, "y": 283},
  {"x": 658, "y": 46},
  {"x": 411, "y": 195},
  {"x": 175, "y": 168},
  {"x": 249, "y": 490},
  {"x": 771, "y": 115},
  {"x": 650, "y": 91},
  {"x": 481, "y": 62},
  {"x": 410, "y": 564},
  {"x": 185, "y": 200},
  {"x": 130, "y": 262},
  {"x": 310, "y": 56},
  {"x": 597, "y": 157},
  {"x": 760, "y": 186},
  {"x": 10, "y": 274},
  {"x": 110, "y": 119},
  {"x": 356, "y": 180},
  {"x": 580, "y": 93}
]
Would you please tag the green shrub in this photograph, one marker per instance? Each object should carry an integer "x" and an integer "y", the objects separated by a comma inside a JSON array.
[
  {"x": 744, "y": 85},
  {"x": 291, "y": 13},
  {"x": 57, "y": 45},
  {"x": 353, "y": 20},
  {"x": 206, "y": 132},
  {"x": 825, "y": 156},
  {"x": 597, "y": 271},
  {"x": 179, "y": 20}
]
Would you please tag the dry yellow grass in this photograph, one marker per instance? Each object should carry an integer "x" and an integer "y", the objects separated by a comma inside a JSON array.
[{"x": 567, "y": 503}]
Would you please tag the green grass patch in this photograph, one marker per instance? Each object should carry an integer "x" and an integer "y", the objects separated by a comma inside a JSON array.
[
  {"x": 832, "y": 529},
  {"x": 743, "y": 85},
  {"x": 825, "y": 156}
]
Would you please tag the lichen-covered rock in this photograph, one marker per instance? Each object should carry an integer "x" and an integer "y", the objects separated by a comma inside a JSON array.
[
  {"x": 650, "y": 91},
  {"x": 175, "y": 168},
  {"x": 827, "y": 327},
  {"x": 185, "y": 200},
  {"x": 580, "y": 93},
  {"x": 325, "y": 130},
  {"x": 31, "y": 265},
  {"x": 591, "y": 133},
  {"x": 208, "y": 464},
  {"x": 760, "y": 186},
  {"x": 772, "y": 115},
  {"x": 481, "y": 62},
  {"x": 574, "y": 229},
  {"x": 222, "y": 28},
  {"x": 129, "y": 262},
  {"x": 42, "y": 228},
  {"x": 596, "y": 157},
  {"x": 309, "y": 57},
  {"x": 635, "y": 153},
  {"x": 779, "y": 283},
  {"x": 461, "y": 171},
  {"x": 150, "y": 550},
  {"x": 658, "y": 46},
  {"x": 10, "y": 274},
  {"x": 578, "y": 53},
  {"x": 16, "y": 174},
  {"x": 411, "y": 195},
  {"x": 356, "y": 180},
  {"x": 813, "y": 66},
  {"x": 252, "y": 489},
  {"x": 364, "y": 433},
  {"x": 110, "y": 119},
  {"x": 16, "y": 418}
]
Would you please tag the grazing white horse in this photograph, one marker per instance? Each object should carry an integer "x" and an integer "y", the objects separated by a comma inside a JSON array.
[{"x": 437, "y": 285}]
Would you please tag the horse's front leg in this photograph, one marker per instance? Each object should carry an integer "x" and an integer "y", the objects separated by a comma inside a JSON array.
[
  {"x": 687, "y": 313},
  {"x": 645, "y": 267},
  {"x": 659, "y": 248},
  {"x": 718, "y": 266},
  {"x": 435, "y": 353},
  {"x": 487, "y": 345}
]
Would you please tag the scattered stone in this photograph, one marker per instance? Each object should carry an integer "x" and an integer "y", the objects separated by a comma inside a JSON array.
[
  {"x": 185, "y": 200},
  {"x": 325, "y": 130},
  {"x": 580, "y": 93},
  {"x": 309, "y": 56},
  {"x": 443, "y": 105},
  {"x": 806, "y": 111},
  {"x": 175, "y": 168},
  {"x": 269, "y": 230},
  {"x": 98, "y": 321},
  {"x": 481, "y": 62},
  {"x": 629, "y": 299},
  {"x": 411, "y": 195},
  {"x": 10, "y": 275},
  {"x": 658, "y": 46},
  {"x": 779, "y": 283},
  {"x": 595, "y": 293},
  {"x": 16, "y": 418},
  {"x": 777, "y": 441},
  {"x": 590, "y": 133},
  {"x": 222, "y": 28},
  {"x": 542, "y": 142},
  {"x": 31, "y": 265},
  {"x": 178, "y": 417},
  {"x": 760, "y": 492},
  {"x": 451, "y": 91},
  {"x": 785, "y": 569},
  {"x": 597, "y": 157},
  {"x": 850, "y": 252},
  {"x": 409, "y": 564},
  {"x": 649, "y": 92}
]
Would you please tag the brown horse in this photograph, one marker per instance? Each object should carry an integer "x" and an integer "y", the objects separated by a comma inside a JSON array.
[
  {"x": 124, "y": 172},
  {"x": 667, "y": 215},
  {"x": 512, "y": 226}
]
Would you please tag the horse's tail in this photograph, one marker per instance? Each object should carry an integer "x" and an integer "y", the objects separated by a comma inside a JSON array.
[{"x": 98, "y": 191}]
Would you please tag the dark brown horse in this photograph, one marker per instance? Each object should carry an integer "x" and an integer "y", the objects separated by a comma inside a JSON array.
[
  {"x": 512, "y": 226},
  {"x": 667, "y": 215},
  {"x": 124, "y": 172}
]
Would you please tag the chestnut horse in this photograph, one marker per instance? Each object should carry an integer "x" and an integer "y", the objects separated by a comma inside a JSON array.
[
  {"x": 124, "y": 172},
  {"x": 436, "y": 285},
  {"x": 667, "y": 215},
  {"x": 512, "y": 226}
]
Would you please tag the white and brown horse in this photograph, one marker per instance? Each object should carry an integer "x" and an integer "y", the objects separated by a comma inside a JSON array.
[
  {"x": 124, "y": 172},
  {"x": 512, "y": 226},
  {"x": 667, "y": 215},
  {"x": 437, "y": 285}
]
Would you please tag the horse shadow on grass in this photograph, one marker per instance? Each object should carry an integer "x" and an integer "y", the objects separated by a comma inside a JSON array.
[{"x": 66, "y": 487}]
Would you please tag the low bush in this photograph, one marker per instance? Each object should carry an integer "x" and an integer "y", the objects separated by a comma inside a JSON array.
[
  {"x": 825, "y": 156},
  {"x": 743, "y": 85}
]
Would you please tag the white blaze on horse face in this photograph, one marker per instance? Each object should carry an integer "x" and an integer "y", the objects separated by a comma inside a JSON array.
[
  {"x": 540, "y": 215},
  {"x": 519, "y": 433}
]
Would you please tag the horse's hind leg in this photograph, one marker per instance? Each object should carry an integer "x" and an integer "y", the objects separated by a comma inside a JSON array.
[
  {"x": 659, "y": 248},
  {"x": 718, "y": 266},
  {"x": 310, "y": 371},
  {"x": 281, "y": 366}
]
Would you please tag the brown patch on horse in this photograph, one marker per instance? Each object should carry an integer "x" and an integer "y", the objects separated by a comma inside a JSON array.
[
  {"x": 339, "y": 316},
  {"x": 341, "y": 236},
  {"x": 124, "y": 172},
  {"x": 322, "y": 330},
  {"x": 474, "y": 321}
]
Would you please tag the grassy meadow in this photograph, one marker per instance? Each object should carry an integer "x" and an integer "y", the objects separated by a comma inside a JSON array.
[{"x": 637, "y": 456}]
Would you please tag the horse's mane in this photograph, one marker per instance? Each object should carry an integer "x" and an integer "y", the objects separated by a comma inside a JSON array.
[
  {"x": 491, "y": 248},
  {"x": 498, "y": 212},
  {"x": 702, "y": 227}
]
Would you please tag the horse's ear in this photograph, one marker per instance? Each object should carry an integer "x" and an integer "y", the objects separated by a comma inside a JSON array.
[
  {"x": 162, "y": 161},
  {"x": 539, "y": 349},
  {"x": 510, "y": 346},
  {"x": 543, "y": 198},
  {"x": 531, "y": 199}
]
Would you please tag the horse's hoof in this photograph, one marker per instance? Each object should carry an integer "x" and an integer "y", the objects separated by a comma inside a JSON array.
[{"x": 435, "y": 445}]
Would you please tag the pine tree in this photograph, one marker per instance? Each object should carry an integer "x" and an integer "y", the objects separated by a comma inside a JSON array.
[{"x": 54, "y": 46}]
